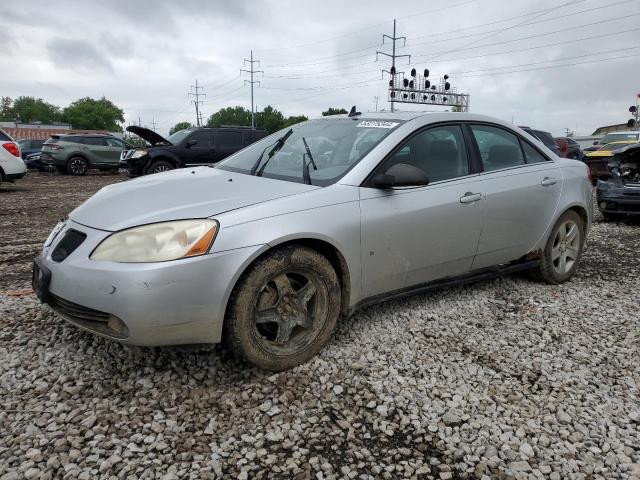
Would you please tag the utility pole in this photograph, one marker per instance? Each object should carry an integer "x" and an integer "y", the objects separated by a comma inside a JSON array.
[
  {"x": 153, "y": 123},
  {"x": 197, "y": 102},
  {"x": 251, "y": 82},
  {"x": 375, "y": 100},
  {"x": 393, "y": 55}
]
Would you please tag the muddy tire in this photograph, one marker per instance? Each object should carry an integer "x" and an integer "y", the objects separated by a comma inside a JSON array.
[
  {"x": 77, "y": 166},
  {"x": 563, "y": 250},
  {"x": 284, "y": 309},
  {"x": 160, "y": 166}
]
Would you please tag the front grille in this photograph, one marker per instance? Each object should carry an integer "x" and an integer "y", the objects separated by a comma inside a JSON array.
[
  {"x": 72, "y": 239},
  {"x": 95, "y": 320}
]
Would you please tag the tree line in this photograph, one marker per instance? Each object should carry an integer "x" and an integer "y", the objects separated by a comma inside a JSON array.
[
  {"x": 101, "y": 114},
  {"x": 85, "y": 113}
]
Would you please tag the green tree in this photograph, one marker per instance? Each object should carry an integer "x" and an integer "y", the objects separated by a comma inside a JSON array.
[
  {"x": 88, "y": 113},
  {"x": 292, "y": 120},
  {"x": 230, "y": 116},
  {"x": 6, "y": 109},
  {"x": 28, "y": 109},
  {"x": 179, "y": 126},
  {"x": 270, "y": 119},
  {"x": 334, "y": 111}
]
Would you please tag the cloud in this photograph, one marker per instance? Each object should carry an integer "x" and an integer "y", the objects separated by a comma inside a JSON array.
[{"x": 76, "y": 54}]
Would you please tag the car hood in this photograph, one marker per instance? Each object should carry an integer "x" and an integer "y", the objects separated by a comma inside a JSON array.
[
  {"x": 149, "y": 135},
  {"x": 179, "y": 194}
]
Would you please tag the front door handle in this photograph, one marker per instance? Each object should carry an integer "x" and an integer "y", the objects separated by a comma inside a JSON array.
[
  {"x": 548, "y": 181},
  {"x": 470, "y": 197}
]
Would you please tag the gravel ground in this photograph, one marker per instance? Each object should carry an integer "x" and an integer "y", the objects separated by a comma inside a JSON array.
[{"x": 501, "y": 379}]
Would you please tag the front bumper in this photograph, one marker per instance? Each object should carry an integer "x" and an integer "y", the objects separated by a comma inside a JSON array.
[
  {"x": 618, "y": 199},
  {"x": 148, "y": 304}
]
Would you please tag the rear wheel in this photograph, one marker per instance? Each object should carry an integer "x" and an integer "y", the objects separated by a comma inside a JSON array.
[
  {"x": 563, "y": 250},
  {"x": 77, "y": 166},
  {"x": 160, "y": 166},
  {"x": 285, "y": 309}
]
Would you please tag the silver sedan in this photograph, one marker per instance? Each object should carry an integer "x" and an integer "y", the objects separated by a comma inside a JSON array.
[{"x": 268, "y": 248}]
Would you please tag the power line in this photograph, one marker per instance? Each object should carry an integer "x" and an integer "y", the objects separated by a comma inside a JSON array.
[
  {"x": 251, "y": 82},
  {"x": 473, "y": 47},
  {"x": 392, "y": 72},
  {"x": 197, "y": 102},
  {"x": 355, "y": 32}
]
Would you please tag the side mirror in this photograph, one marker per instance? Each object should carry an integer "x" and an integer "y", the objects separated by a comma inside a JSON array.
[
  {"x": 401, "y": 175},
  {"x": 191, "y": 143}
]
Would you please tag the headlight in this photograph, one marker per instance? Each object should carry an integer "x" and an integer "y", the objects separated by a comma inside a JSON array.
[
  {"x": 139, "y": 153},
  {"x": 158, "y": 242}
]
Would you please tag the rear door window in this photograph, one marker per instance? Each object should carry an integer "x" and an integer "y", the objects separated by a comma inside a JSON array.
[
  {"x": 498, "y": 148},
  {"x": 531, "y": 154},
  {"x": 96, "y": 141},
  {"x": 228, "y": 140}
]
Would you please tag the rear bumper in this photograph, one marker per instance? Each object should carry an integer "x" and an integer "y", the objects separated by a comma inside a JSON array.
[{"x": 12, "y": 177}]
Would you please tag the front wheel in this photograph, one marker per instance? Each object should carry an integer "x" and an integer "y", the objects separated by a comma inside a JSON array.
[
  {"x": 284, "y": 310},
  {"x": 160, "y": 166},
  {"x": 563, "y": 250},
  {"x": 77, "y": 166}
]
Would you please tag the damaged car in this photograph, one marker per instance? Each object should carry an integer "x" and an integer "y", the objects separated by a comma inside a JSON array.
[
  {"x": 267, "y": 249},
  {"x": 619, "y": 195},
  {"x": 184, "y": 148}
]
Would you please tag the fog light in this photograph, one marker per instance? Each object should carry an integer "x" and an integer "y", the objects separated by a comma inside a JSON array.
[{"x": 118, "y": 326}]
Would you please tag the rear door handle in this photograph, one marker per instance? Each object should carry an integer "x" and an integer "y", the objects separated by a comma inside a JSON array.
[
  {"x": 547, "y": 181},
  {"x": 470, "y": 197}
]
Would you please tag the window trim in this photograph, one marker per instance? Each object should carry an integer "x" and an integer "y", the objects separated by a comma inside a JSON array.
[
  {"x": 368, "y": 181},
  {"x": 520, "y": 138}
]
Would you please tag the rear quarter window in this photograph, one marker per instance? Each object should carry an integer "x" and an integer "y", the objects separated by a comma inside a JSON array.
[{"x": 4, "y": 137}]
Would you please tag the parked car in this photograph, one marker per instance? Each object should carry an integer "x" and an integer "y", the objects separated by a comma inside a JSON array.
[
  {"x": 569, "y": 148},
  {"x": 620, "y": 194},
  {"x": 545, "y": 138},
  {"x": 12, "y": 167},
  {"x": 76, "y": 153},
  {"x": 273, "y": 244},
  {"x": 185, "y": 148},
  {"x": 27, "y": 147},
  {"x": 34, "y": 161},
  {"x": 598, "y": 160},
  {"x": 618, "y": 137}
]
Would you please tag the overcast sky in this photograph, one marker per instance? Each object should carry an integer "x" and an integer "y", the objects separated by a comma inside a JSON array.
[{"x": 144, "y": 55}]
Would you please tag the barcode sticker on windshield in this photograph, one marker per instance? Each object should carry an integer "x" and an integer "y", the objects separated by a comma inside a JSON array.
[{"x": 377, "y": 124}]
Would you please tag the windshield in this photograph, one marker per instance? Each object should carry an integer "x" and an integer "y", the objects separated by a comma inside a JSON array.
[
  {"x": 614, "y": 146},
  {"x": 176, "y": 137},
  {"x": 616, "y": 137},
  {"x": 336, "y": 145}
]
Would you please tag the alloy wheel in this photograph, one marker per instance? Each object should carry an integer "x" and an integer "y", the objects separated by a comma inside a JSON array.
[
  {"x": 290, "y": 312},
  {"x": 566, "y": 247},
  {"x": 78, "y": 166},
  {"x": 161, "y": 168}
]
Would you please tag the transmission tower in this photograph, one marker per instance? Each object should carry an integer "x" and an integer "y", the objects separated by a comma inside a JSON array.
[
  {"x": 251, "y": 82},
  {"x": 197, "y": 102},
  {"x": 393, "y": 55}
]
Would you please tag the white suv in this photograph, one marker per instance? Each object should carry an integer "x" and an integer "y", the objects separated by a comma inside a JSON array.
[{"x": 11, "y": 165}]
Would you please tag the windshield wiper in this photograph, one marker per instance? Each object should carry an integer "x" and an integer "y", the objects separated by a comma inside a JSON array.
[
  {"x": 306, "y": 177},
  {"x": 277, "y": 145}
]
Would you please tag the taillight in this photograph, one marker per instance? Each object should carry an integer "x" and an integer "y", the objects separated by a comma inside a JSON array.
[
  {"x": 12, "y": 148},
  {"x": 589, "y": 174},
  {"x": 53, "y": 146}
]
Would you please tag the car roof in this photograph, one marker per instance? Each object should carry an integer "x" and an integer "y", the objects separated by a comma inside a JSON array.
[{"x": 428, "y": 117}]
